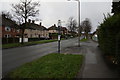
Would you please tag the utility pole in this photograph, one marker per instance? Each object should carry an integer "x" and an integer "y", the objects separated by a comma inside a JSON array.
[{"x": 78, "y": 21}]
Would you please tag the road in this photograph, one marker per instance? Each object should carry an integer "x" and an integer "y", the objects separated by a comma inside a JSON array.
[{"x": 15, "y": 57}]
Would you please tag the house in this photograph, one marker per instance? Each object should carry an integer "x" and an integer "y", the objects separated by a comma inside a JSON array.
[
  {"x": 53, "y": 31},
  {"x": 33, "y": 30},
  {"x": 64, "y": 30},
  {"x": 9, "y": 28}
]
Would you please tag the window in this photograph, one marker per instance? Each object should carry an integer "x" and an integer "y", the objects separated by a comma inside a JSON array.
[
  {"x": 7, "y": 29},
  {"x": 7, "y": 35},
  {"x": 31, "y": 36},
  {"x": 18, "y": 30},
  {"x": 13, "y": 30}
]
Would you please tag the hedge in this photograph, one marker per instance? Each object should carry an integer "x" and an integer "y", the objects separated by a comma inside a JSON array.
[{"x": 109, "y": 35}]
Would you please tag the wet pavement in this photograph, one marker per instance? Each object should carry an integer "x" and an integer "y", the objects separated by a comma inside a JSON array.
[{"x": 94, "y": 65}]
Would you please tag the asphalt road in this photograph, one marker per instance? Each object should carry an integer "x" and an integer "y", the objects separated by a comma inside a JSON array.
[{"x": 12, "y": 58}]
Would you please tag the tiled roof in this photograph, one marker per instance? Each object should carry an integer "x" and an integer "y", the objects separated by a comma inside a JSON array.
[
  {"x": 8, "y": 22},
  {"x": 63, "y": 28},
  {"x": 53, "y": 28},
  {"x": 33, "y": 26}
]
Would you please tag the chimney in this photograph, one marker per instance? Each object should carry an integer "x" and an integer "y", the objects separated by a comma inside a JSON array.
[
  {"x": 54, "y": 25},
  {"x": 40, "y": 23},
  {"x": 29, "y": 20},
  {"x": 33, "y": 21}
]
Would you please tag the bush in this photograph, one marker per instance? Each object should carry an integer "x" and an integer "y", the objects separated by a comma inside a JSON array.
[
  {"x": 107, "y": 33},
  {"x": 118, "y": 48}
]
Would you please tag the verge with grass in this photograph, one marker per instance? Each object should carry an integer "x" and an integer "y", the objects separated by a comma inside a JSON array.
[
  {"x": 50, "y": 66},
  {"x": 84, "y": 39},
  {"x": 12, "y": 45}
]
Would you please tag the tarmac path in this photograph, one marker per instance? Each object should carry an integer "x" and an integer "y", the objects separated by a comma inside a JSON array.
[{"x": 94, "y": 65}]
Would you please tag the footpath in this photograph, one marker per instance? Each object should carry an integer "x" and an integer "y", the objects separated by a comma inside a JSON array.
[{"x": 94, "y": 65}]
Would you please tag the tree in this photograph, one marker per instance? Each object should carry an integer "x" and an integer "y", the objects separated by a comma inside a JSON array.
[
  {"x": 7, "y": 15},
  {"x": 86, "y": 26},
  {"x": 23, "y": 11},
  {"x": 116, "y": 7},
  {"x": 109, "y": 37},
  {"x": 72, "y": 25}
]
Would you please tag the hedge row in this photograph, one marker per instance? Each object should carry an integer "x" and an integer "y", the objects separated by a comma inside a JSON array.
[{"x": 109, "y": 36}]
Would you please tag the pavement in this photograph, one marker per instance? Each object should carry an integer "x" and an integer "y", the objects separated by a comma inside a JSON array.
[{"x": 94, "y": 65}]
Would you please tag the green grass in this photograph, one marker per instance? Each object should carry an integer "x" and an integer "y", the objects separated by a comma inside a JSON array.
[
  {"x": 84, "y": 39},
  {"x": 50, "y": 66},
  {"x": 26, "y": 44}
]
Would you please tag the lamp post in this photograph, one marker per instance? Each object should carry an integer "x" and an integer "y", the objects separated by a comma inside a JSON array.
[
  {"x": 78, "y": 22},
  {"x": 59, "y": 35}
]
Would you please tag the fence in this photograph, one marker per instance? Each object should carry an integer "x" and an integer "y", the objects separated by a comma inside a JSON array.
[
  {"x": 16, "y": 40},
  {"x": 10, "y": 40}
]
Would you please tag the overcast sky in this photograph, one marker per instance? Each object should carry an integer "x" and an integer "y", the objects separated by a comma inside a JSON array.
[{"x": 53, "y": 10}]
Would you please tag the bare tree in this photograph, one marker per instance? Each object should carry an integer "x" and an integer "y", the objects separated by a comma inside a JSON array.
[
  {"x": 7, "y": 15},
  {"x": 81, "y": 29},
  {"x": 86, "y": 26},
  {"x": 72, "y": 25},
  {"x": 23, "y": 10}
]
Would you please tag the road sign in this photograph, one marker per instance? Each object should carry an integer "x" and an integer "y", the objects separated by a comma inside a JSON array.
[{"x": 59, "y": 37}]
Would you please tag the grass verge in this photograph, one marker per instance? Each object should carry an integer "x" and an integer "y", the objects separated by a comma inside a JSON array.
[
  {"x": 50, "y": 66},
  {"x": 84, "y": 39},
  {"x": 26, "y": 44}
]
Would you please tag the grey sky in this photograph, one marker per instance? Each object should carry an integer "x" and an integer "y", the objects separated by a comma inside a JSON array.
[{"x": 53, "y": 10}]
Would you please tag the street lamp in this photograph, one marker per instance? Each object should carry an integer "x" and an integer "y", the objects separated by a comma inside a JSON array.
[
  {"x": 59, "y": 25},
  {"x": 78, "y": 22}
]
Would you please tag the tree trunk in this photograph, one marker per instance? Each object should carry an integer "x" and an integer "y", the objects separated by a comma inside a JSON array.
[
  {"x": 23, "y": 28},
  {"x": 22, "y": 36},
  {"x": 86, "y": 34}
]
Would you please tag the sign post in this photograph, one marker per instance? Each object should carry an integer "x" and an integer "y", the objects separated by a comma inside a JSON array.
[{"x": 59, "y": 35}]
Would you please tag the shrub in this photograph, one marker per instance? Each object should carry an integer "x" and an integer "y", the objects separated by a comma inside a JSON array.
[
  {"x": 118, "y": 48},
  {"x": 107, "y": 34}
]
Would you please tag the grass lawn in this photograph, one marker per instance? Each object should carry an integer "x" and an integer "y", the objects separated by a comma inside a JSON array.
[
  {"x": 26, "y": 44},
  {"x": 84, "y": 39},
  {"x": 50, "y": 66}
]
